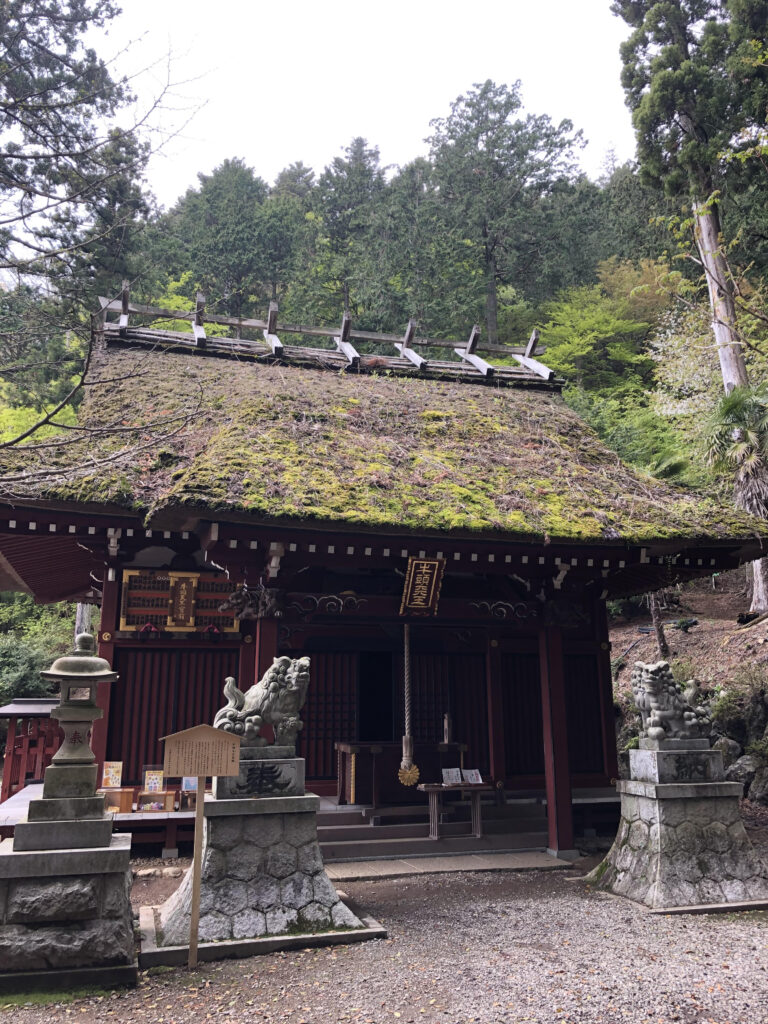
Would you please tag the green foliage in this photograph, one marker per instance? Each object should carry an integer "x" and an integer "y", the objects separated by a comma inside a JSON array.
[
  {"x": 593, "y": 343},
  {"x": 731, "y": 706},
  {"x": 41, "y": 351},
  {"x": 178, "y": 295},
  {"x": 214, "y": 232},
  {"x": 759, "y": 749},
  {"x": 493, "y": 167},
  {"x": 637, "y": 434},
  {"x": 18, "y": 420},
  {"x": 737, "y": 443},
  {"x": 682, "y": 669},
  {"x": 343, "y": 205},
  {"x": 31, "y": 636},
  {"x": 72, "y": 197},
  {"x": 693, "y": 85}
]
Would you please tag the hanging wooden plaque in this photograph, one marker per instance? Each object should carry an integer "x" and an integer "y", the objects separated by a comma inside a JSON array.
[
  {"x": 421, "y": 591},
  {"x": 179, "y": 602}
]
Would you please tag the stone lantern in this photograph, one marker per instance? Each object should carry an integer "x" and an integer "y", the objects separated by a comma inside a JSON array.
[
  {"x": 70, "y": 815},
  {"x": 65, "y": 879}
]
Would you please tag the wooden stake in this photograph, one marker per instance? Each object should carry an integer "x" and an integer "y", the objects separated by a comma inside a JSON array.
[{"x": 197, "y": 862}]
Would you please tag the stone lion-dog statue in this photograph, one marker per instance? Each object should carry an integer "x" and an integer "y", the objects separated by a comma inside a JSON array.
[{"x": 275, "y": 700}]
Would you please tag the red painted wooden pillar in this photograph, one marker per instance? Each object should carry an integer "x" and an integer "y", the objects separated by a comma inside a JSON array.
[
  {"x": 10, "y": 750},
  {"x": 246, "y": 665},
  {"x": 556, "y": 768},
  {"x": 266, "y": 651},
  {"x": 494, "y": 691},
  {"x": 110, "y": 619},
  {"x": 266, "y": 645},
  {"x": 605, "y": 682}
]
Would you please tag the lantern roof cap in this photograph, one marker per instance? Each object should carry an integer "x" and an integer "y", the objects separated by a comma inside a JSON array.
[{"x": 83, "y": 663}]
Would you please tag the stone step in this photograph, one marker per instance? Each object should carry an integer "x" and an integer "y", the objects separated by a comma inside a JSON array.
[
  {"x": 385, "y": 848},
  {"x": 341, "y": 817},
  {"x": 420, "y": 828}
]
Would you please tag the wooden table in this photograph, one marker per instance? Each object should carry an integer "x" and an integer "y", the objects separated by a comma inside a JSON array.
[
  {"x": 435, "y": 791},
  {"x": 367, "y": 772}
]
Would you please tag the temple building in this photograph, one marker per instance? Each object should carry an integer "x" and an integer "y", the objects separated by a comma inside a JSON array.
[{"x": 439, "y": 535}]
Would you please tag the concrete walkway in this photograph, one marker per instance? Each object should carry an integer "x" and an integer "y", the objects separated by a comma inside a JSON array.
[{"x": 365, "y": 870}]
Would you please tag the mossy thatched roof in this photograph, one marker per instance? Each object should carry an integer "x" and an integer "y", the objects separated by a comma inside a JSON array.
[{"x": 270, "y": 442}]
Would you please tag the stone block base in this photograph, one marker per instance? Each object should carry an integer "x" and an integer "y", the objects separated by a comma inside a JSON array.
[
  {"x": 262, "y": 875},
  {"x": 53, "y": 921},
  {"x": 153, "y": 955},
  {"x": 126, "y": 975},
  {"x": 678, "y": 846}
]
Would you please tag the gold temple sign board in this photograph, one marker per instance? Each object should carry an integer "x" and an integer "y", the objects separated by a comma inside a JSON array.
[
  {"x": 421, "y": 591},
  {"x": 201, "y": 751}
]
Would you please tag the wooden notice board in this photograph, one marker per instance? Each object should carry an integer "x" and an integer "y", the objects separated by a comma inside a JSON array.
[{"x": 201, "y": 751}]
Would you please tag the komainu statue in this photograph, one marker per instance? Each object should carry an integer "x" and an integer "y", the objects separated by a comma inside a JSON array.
[
  {"x": 664, "y": 710},
  {"x": 275, "y": 700}
]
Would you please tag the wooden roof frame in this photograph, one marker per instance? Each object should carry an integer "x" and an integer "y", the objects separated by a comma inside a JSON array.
[{"x": 471, "y": 368}]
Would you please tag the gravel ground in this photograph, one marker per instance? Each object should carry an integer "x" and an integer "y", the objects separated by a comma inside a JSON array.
[{"x": 488, "y": 947}]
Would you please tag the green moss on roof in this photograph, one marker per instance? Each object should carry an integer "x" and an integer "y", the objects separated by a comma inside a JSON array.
[{"x": 306, "y": 445}]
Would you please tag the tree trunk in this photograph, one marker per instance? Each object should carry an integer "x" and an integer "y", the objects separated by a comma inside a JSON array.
[
  {"x": 83, "y": 618},
  {"x": 491, "y": 302},
  {"x": 759, "y": 586},
  {"x": 729, "y": 348},
  {"x": 658, "y": 626}
]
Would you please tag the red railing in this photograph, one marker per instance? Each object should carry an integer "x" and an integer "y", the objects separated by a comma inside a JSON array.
[{"x": 31, "y": 744}]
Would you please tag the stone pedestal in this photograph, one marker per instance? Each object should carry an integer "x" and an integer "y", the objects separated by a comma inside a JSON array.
[
  {"x": 264, "y": 771},
  {"x": 681, "y": 841},
  {"x": 262, "y": 875},
  {"x": 66, "y": 915}
]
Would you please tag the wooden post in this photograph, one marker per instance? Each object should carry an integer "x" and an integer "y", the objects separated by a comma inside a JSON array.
[
  {"x": 343, "y": 343},
  {"x": 198, "y": 321},
  {"x": 125, "y": 298},
  {"x": 605, "y": 683},
  {"x": 246, "y": 666},
  {"x": 495, "y": 694},
  {"x": 110, "y": 611},
  {"x": 533, "y": 341},
  {"x": 658, "y": 626},
  {"x": 556, "y": 768},
  {"x": 197, "y": 862}
]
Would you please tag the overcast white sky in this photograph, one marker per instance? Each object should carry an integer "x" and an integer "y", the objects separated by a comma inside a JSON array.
[{"x": 296, "y": 80}]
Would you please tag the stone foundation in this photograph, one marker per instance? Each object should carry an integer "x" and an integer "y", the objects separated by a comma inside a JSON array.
[
  {"x": 681, "y": 841},
  {"x": 65, "y": 909},
  {"x": 262, "y": 874}
]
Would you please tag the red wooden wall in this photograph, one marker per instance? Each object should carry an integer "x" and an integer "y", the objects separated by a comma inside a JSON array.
[{"x": 162, "y": 690}]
